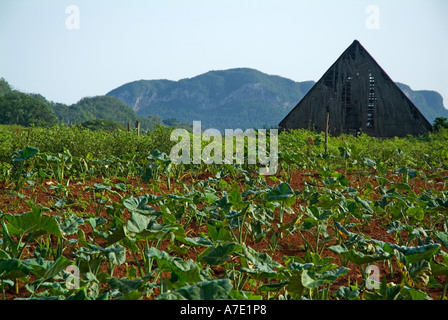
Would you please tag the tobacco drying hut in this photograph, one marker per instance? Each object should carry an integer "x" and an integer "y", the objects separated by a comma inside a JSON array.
[{"x": 356, "y": 95}]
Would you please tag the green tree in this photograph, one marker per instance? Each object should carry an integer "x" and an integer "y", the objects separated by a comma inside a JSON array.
[
  {"x": 440, "y": 123},
  {"x": 26, "y": 110},
  {"x": 4, "y": 87},
  {"x": 102, "y": 107},
  {"x": 102, "y": 124}
]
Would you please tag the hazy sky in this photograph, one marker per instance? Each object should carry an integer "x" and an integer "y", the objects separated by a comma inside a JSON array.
[{"x": 47, "y": 48}]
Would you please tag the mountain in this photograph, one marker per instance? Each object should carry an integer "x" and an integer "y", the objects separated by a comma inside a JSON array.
[{"x": 237, "y": 98}]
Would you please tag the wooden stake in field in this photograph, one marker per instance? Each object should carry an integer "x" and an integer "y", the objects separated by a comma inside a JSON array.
[
  {"x": 326, "y": 130},
  {"x": 137, "y": 125}
]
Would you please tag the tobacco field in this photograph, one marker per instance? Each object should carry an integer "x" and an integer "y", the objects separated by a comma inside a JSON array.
[{"x": 105, "y": 216}]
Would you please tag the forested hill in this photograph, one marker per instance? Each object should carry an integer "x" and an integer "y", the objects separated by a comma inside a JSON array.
[
  {"x": 101, "y": 107},
  {"x": 33, "y": 109},
  {"x": 237, "y": 98}
]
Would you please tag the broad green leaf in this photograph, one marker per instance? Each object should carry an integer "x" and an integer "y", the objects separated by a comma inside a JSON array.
[
  {"x": 324, "y": 278},
  {"x": 364, "y": 203},
  {"x": 25, "y": 154},
  {"x": 386, "y": 293},
  {"x": 138, "y": 205},
  {"x": 338, "y": 249},
  {"x": 158, "y": 155},
  {"x": 395, "y": 226},
  {"x": 39, "y": 266},
  {"x": 218, "y": 233},
  {"x": 138, "y": 222},
  {"x": 414, "y": 254},
  {"x": 4, "y": 254},
  {"x": 205, "y": 290},
  {"x": 419, "y": 272},
  {"x": 153, "y": 198},
  {"x": 210, "y": 197},
  {"x": 173, "y": 295},
  {"x": 101, "y": 187},
  {"x": 417, "y": 294},
  {"x": 416, "y": 212},
  {"x": 94, "y": 249},
  {"x": 283, "y": 193},
  {"x": 121, "y": 187},
  {"x": 181, "y": 198},
  {"x": 184, "y": 271},
  {"x": 70, "y": 225},
  {"x": 13, "y": 268},
  {"x": 235, "y": 197},
  {"x": 258, "y": 263},
  {"x": 82, "y": 238},
  {"x": 295, "y": 287},
  {"x": 401, "y": 186},
  {"x": 219, "y": 254},
  {"x": 60, "y": 264},
  {"x": 194, "y": 242},
  {"x": 327, "y": 202},
  {"x": 96, "y": 222},
  {"x": 244, "y": 295},
  {"x": 124, "y": 285},
  {"x": 442, "y": 237},
  {"x": 309, "y": 282},
  {"x": 132, "y": 296},
  {"x": 359, "y": 258},
  {"x": 274, "y": 287},
  {"x": 348, "y": 293},
  {"x": 33, "y": 221},
  {"x": 118, "y": 256},
  {"x": 369, "y": 162},
  {"x": 50, "y": 225},
  {"x": 117, "y": 235},
  {"x": 438, "y": 268}
]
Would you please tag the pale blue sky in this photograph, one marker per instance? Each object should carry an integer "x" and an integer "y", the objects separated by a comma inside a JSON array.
[{"x": 120, "y": 41}]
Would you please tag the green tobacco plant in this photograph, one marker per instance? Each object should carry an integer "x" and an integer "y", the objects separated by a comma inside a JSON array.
[
  {"x": 58, "y": 164},
  {"x": 395, "y": 292},
  {"x": 19, "y": 230},
  {"x": 206, "y": 290},
  {"x": 21, "y": 165},
  {"x": 284, "y": 195},
  {"x": 159, "y": 162},
  {"x": 318, "y": 218},
  {"x": 29, "y": 225},
  {"x": 99, "y": 196},
  {"x": 309, "y": 277},
  {"x": 182, "y": 272},
  {"x": 12, "y": 269}
]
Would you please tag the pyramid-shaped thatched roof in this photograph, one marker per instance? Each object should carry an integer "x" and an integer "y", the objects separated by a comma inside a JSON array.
[{"x": 358, "y": 95}]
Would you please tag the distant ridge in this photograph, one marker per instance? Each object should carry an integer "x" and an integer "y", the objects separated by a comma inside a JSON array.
[{"x": 235, "y": 98}]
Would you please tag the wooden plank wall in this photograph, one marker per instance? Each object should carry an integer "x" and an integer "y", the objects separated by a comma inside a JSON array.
[{"x": 393, "y": 113}]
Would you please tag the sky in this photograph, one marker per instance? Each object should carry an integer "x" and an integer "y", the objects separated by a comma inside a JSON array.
[{"x": 67, "y": 50}]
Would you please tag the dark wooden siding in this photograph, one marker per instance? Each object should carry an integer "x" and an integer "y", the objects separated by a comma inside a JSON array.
[{"x": 358, "y": 95}]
